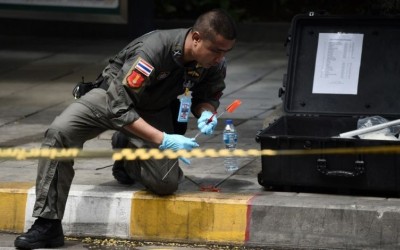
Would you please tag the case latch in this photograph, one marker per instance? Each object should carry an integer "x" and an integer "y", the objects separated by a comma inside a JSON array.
[{"x": 322, "y": 167}]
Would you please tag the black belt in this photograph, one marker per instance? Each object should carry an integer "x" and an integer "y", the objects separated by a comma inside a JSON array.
[{"x": 104, "y": 85}]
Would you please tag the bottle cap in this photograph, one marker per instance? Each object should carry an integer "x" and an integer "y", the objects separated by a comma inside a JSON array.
[{"x": 228, "y": 121}]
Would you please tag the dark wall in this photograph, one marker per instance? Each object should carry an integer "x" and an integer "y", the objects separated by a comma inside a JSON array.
[
  {"x": 272, "y": 16},
  {"x": 273, "y": 10},
  {"x": 140, "y": 21}
]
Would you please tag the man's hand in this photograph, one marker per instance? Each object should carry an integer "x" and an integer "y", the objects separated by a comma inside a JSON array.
[
  {"x": 177, "y": 142},
  {"x": 206, "y": 124}
]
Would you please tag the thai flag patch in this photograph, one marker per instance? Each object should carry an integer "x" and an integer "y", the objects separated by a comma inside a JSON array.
[{"x": 144, "y": 67}]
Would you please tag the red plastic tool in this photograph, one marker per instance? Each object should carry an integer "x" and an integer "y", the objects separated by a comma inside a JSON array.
[
  {"x": 230, "y": 108},
  {"x": 236, "y": 103}
]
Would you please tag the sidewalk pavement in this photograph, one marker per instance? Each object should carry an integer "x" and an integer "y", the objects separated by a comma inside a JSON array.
[{"x": 36, "y": 79}]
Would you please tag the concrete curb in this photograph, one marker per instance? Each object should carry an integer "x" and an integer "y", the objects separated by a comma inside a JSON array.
[
  {"x": 265, "y": 219},
  {"x": 110, "y": 211}
]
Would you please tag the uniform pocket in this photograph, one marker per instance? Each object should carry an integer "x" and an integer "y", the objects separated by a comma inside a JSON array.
[{"x": 119, "y": 106}]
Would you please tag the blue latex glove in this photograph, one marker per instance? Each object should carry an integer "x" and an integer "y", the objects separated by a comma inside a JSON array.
[
  {"x": 204, "y": 126},
  {"x": 177, "y": 142}
]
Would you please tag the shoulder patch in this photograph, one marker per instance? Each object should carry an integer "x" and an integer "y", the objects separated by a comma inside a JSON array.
[
  {"x": 144, "y": 67},
  {"x": 138, "y": 73},
  {"x": 134, "y": 79}
]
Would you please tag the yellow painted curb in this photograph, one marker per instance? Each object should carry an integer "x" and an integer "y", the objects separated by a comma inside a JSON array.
[
  {"x": 204, "y": 216},
  {"x": 13, "y": 197}
]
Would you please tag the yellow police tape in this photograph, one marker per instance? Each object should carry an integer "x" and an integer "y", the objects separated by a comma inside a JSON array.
[{"x": 145, "y": 154}]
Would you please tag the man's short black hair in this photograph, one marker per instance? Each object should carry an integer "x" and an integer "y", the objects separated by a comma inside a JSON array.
[{"x": 216, "y": 21}]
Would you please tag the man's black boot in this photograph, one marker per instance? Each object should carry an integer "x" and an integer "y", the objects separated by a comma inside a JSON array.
[
  {"x": 44, "y": 233},
  {"x": 120, "y": 174}
]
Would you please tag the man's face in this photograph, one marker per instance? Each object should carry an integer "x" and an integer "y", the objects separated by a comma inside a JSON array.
[{"x": 210, "y": 53}]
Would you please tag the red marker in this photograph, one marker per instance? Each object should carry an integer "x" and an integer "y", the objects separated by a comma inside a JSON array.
[{"x": 230, "y": 108}]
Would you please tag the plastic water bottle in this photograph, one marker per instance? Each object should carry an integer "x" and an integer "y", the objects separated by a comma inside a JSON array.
[{"x": 230, "y": 139}]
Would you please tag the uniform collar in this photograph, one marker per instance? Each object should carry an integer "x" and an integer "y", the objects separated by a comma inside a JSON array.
[{"x": 177, "y": 48}]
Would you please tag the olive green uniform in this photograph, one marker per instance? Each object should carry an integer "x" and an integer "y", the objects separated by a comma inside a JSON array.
[{"x": 128, "y": 92}]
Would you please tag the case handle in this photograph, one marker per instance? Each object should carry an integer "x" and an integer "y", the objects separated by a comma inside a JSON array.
[{"x": 322, "y": 167}]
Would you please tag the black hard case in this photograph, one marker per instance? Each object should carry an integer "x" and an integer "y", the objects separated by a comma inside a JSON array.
[{"x": 313, "y": 121}]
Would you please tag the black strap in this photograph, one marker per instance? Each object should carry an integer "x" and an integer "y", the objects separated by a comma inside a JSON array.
[
  {"x": 101, "y": 83},
  {"x": 104, "y": 85}
]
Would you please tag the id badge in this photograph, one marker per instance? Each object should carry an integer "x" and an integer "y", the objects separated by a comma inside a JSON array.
[{"x": 184, "y": 108}]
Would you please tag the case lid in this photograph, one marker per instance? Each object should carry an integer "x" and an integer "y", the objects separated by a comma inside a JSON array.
[{"x": 343, "y": 66}]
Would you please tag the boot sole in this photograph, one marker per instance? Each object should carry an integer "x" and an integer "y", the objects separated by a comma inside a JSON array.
[{"x": 57, "y": 242}]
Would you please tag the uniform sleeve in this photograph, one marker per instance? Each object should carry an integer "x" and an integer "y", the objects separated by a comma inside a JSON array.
[
  {"x": 209, "y": 90},
  {"x": 126, "y": 88}
]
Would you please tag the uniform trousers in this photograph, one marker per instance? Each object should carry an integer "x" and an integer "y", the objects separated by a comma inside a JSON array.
[{"x": 84, "y": 120}]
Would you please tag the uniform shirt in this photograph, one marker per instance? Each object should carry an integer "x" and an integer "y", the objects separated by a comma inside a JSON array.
[{"x": 148, "y": 74}]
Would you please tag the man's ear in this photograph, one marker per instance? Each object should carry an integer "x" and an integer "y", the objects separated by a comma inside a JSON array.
[{"x": 196, "y": 36}]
